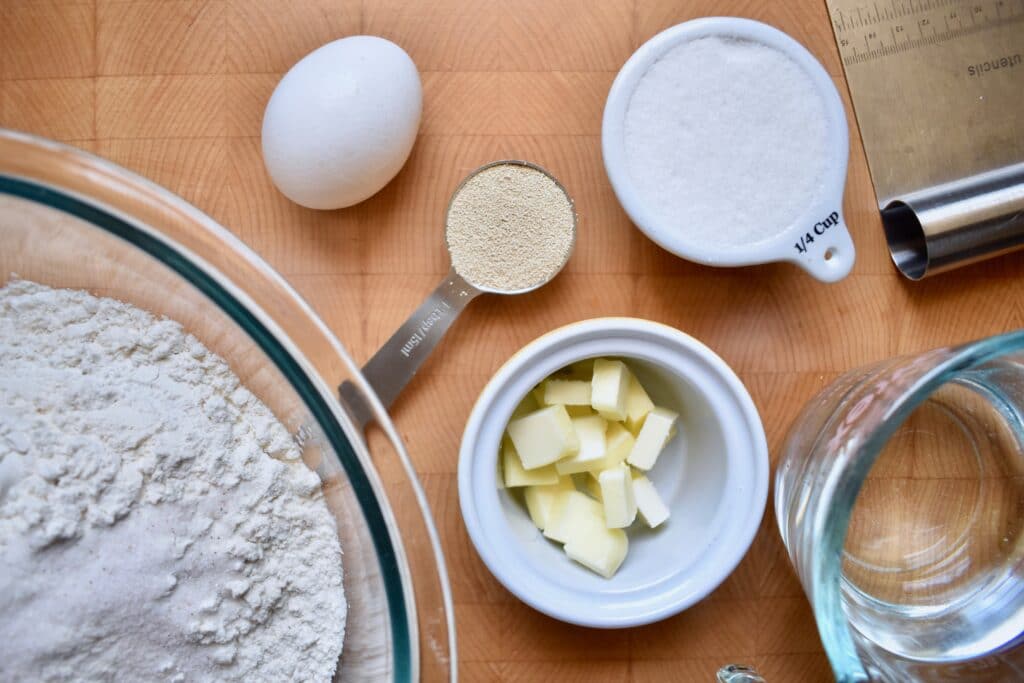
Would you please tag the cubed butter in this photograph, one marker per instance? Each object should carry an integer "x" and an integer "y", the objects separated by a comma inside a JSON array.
[
  {"x": 652, "y": 438},
  {"x": 617, "y": 497},
  {"x": 578, "y": 446},
  {"x": 571, "y": 514},
  {"x": 590, "y": 431},
  {"x": 618, "y": 444},
  {"x": 638, "y": 405},
  {"x": 515, "y": 474},
  {"x": 543, "y": 437},
  {"x": 609, "y": 388},
  {"x": 598, "y": 548},
  {"x": 649, "y": 504},
  {"x": 541, "y": 499},
  {"x": 567, "y": 392}
]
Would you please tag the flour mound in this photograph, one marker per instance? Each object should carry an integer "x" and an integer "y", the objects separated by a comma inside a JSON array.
[{"x": 156, "y": 522}]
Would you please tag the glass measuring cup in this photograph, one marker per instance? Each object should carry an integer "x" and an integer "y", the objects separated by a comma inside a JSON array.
[
  {"x": 900, "y": 499},
  {"x": 397, "y": 361}
]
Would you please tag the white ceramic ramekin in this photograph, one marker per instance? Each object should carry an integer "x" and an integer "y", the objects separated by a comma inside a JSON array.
[
  {"x": 818, "y": 240},
  {"x": 716, "y": 490}
]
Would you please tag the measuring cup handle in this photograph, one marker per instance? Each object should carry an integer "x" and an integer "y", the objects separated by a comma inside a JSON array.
[
  {"x": 397, "y": 361},
  {"x": 824, "y": 249}
]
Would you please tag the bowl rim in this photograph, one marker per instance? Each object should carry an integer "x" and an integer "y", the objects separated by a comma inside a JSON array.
[
  {"x": 481, "y": 526},
  {"x": 833, "y": 239}
]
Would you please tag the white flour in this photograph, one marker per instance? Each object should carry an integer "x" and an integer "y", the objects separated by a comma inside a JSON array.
[
  {"x": 155, "y": 521},
  {"x": 726, "y": 140}
]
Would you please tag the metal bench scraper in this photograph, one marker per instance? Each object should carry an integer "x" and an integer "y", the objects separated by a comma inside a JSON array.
[{"x": 938, "y": 90}]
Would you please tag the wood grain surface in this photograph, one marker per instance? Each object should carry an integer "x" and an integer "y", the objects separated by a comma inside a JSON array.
[{"x": 175, "y": 90}]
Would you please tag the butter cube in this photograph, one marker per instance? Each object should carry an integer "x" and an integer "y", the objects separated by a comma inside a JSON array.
[
  {"x": 617, "y": 497},
  {"x": 541, "y": 499},
  {"x": 618, "y": 444},
  {"x": 538, "y": 395},
  {"x": 571, "y": 514},
  {"x": 652, "y": 438},
  {"x": 515, "y": 475},
  {"x": 648, "y": 503},
  {"x": 598, "y": 548},
  {"x": 609, "y": 388},
  {"x": 638, "y": 405},
  {"x": 567, "y": 392},
  {"x": 543, "y": 436},
  {"x": 578, "y": 521},
  {"x": 590, "y": 431}
]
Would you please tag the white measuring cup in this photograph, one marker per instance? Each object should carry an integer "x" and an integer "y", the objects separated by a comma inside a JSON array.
[{"x": 817, "y": 240}]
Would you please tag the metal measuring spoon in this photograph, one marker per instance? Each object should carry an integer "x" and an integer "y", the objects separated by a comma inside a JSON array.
[{"x": 400, "y": 357}]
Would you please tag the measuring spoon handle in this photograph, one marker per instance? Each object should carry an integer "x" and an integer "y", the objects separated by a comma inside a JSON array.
[{"x": 397, "y": 361}]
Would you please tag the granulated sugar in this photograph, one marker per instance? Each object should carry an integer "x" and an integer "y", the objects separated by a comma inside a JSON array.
[
  {"x": 726, "y": 140},
  {"x": 510, "y": 227}
]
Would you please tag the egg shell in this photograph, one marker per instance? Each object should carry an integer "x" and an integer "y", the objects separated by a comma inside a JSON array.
[{"x": 342, "y": 122}]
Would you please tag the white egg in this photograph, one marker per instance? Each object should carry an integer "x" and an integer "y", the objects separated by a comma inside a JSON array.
[{"x": 341, "y": 123}]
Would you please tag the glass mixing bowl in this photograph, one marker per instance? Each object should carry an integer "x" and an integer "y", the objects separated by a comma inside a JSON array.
[{"x": 69, "y": 219}]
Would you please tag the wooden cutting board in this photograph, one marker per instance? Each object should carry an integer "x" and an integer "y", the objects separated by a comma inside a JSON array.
[{"x": 175, "y": 89}]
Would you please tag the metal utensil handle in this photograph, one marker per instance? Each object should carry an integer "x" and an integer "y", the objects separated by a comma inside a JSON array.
[{"x": 397, "y": 361}]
